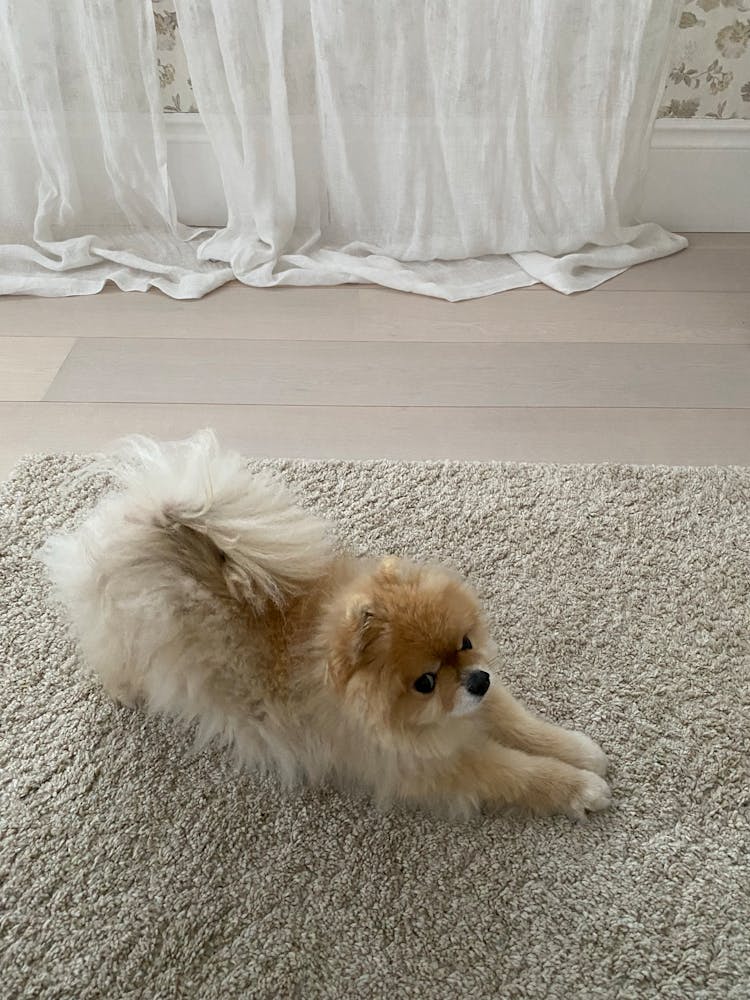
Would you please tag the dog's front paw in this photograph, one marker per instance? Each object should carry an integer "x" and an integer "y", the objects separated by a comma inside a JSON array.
[
  {"x": 587, "y": 754},
  {"x": 592, "y": 794}
]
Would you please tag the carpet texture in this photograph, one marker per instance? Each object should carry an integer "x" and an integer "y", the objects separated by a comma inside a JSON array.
[{"x": 131, "y": 866}]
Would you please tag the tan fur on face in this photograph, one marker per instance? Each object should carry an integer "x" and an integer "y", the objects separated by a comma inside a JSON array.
[
  {"x": 402, "y": 621},
  {"x": 203, "y": 592}
]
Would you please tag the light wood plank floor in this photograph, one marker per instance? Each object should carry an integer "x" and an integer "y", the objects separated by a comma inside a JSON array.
[{"x": 652, "y": 367}]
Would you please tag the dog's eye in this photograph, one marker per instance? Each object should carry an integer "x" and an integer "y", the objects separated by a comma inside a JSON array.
[
  {"x": 425, "y": 684},
  {"x": 466, "y": 644}
]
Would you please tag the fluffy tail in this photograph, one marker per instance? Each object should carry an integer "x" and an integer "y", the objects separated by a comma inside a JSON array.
[{"x": 268, "y": 547}]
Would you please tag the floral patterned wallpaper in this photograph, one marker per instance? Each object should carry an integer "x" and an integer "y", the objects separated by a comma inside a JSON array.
[
  {"x": 176, "y": 89},
  {"x": 709, "y": 75},
  {"x": 710, "y": 64}
]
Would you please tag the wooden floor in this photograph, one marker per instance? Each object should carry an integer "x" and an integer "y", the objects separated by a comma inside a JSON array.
[{"x": 653, "y": 367}]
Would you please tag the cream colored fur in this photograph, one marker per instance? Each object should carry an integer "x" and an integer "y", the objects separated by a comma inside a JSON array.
[{"x": 204, "y": 592}]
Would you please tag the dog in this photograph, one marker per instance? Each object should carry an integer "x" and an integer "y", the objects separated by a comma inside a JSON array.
[{"x": 201, "y": 590}]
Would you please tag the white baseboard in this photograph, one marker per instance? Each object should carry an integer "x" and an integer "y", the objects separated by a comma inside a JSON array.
[{"x": 698, "y": 177}]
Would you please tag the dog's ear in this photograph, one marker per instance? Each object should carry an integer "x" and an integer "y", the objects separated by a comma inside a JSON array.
[
  {"x": 362, "y": 626},
  {"x": 365, "y": 625}
]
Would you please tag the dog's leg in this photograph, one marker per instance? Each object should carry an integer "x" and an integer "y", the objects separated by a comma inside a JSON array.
[
  {"x": 514, "y": 726},
  {"x": 122, "y": 691},
  {"x": 121, "y": 685},
  {"x": 500, "y": 776}
]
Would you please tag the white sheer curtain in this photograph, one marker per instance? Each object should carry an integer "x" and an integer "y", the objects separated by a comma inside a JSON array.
[
  {"x": 453, "y": 149},
  {"x": 84, "y": 193},
  {"x": 450, "y": 149}
]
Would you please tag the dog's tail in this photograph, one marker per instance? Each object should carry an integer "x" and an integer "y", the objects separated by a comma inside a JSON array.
[{"x": 218, "y": 512}]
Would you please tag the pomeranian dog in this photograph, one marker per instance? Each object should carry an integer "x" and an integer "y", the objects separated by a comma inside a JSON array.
[{"x": 200, "y": 590}]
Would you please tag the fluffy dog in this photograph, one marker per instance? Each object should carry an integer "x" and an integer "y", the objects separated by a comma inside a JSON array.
[{"x": 202, "y": 591}]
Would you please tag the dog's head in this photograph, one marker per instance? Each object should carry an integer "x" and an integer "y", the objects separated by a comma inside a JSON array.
[{"x": 409, "y": 648}]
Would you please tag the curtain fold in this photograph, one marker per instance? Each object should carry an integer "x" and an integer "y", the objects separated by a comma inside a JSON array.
[{"x": 453, "y": 150}]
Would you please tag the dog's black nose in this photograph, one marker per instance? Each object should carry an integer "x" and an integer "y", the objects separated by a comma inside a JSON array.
[{"x": 477, "y": 682}]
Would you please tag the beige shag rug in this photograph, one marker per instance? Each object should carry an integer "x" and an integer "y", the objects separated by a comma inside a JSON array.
[{"x": 130, "y": 867}]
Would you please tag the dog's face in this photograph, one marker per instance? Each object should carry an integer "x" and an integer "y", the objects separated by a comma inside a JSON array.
[{"x": 411, "y": 648}]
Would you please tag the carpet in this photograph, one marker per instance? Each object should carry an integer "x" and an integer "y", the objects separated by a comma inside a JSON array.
[{"x": 133, "y": 866}]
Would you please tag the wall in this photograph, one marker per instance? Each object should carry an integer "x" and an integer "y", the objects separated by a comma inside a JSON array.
[
  {"x": 709, "y": 77},
  {"x": 710, "y": 62}
]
